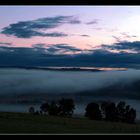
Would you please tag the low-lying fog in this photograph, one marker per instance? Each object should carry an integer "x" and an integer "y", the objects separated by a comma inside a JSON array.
[
  {"x": 18, "y": 83},
  {"x": 22, "y": 81}
]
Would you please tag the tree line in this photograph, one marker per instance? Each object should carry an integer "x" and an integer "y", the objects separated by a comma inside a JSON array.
[
  {"x": 64, "y": 107},
  {"x": 108, "y": 111}
]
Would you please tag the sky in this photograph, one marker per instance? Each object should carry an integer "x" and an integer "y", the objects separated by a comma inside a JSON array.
[{"x": 70, "y": 30}]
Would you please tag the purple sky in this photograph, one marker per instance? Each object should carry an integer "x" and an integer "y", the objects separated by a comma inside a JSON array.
[{"x": 98, "y": 25}]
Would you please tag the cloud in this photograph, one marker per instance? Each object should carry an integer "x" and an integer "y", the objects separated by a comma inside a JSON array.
[
  {"x": 28, "y": 29},
  {"x": 112, "y": 30},
  {"x": 31, "y": 33},
  {"x": 127, "y": 35},
  {"x": 117, "y": 39},
  {"x": 67, "y": 55},
  {"x": 37, "y": 55},
  {"x": 39, "y": 45},
  {"x": 105, "y": 58},
  {"x": 5, "y": 43},
  {"x": 125, "y": 45},
  {"x": 123, "y": 36},
  {"x": 4, "y": 49},
  {"x": 98, "y": 28},
  {"x": 106, "y": 29},
  {"x": 57, "y": 48},
  {"x": 56, "y": 34},
  {"x": 84, "y": 35},
  {"x": 65, "y": 47},
  {"x": 95, "y": 21}
]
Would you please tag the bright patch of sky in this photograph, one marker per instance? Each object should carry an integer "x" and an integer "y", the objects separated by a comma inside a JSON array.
[{"x": 99, "y": 24}]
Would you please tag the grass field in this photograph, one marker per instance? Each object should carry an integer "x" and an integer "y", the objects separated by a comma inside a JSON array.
[{"x": 22, "y": 123}]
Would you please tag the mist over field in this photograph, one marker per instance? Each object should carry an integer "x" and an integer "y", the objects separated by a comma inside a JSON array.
[
  {"x": 22, "y": 88},
  {"x": 26, "y": 82}
]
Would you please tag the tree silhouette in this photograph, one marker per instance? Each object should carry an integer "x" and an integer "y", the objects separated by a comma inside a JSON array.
[
  {"x": 31, "y": 110},
  {"x": 108, "y": 111},
  {"x": 121, "y": 109},
  {"x": 127, "y": 110},
  {"x": 44, "y": 107},
  {"x": 131, "y": 115},
  {"x": 111, "y": 112},
  {"x": 104, "y": 111},
  {"x": 36, "y": 113},
  {"x": 93, "y": 111},
  {"x": 66, "y": 107},
  {"x": 53, "y": 109}
]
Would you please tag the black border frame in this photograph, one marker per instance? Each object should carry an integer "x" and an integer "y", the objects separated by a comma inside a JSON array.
[{"x": 69, "y": 2}]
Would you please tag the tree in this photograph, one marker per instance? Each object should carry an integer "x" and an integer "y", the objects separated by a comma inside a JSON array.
[
  {"x": 44, "y": 107},
  {"x": 127, "y": 110},
  {"x": 104, "y": 106},
  {"x": 111, "y": 112},
  {"x": 121, "y": 108},
  {"x": 66, "y": 107},
  {"x": 36, "y": 113},
  {"x": 93, "y": 111},
  {"x": 53, "y": 109},
  {"x": 31, "y": 110},
  {"x": 131, "y": 116}
]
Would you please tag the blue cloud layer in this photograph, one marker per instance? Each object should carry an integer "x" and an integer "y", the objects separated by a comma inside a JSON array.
[
  {"x": 28, "y": 29},
  {"x": 125, "y": 45},
  {"x": 5, "y": 43},
  {"x": 54, "y": 55},
  {"x": 94, "y": 21}
]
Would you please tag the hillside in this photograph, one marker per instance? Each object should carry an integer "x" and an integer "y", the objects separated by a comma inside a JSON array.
[{"x": 27, "y": 123}]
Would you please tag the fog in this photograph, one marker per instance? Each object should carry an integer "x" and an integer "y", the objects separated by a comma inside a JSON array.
[{"x": 22, "y": 81}]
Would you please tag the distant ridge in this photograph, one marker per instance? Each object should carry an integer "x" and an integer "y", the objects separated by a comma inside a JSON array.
[{"x": 92, "y": 69}]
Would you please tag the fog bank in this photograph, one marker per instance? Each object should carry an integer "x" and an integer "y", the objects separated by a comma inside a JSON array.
[{"x": 22, "y": 81}]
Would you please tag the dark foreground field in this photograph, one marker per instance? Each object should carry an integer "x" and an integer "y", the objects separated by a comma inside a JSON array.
[{"x": 27, "y": 123}]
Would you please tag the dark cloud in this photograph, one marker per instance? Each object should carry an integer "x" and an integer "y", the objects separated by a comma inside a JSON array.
[
  {"x": 84, "y": 35},
  {"x": 123, "y": 36},
  {"x": 105, "y": 58},
  {"x": 28, "y": 29},
  {"x": 117, "y": 39},
  {"x": 125, "y": 45},
  {"x": 61, "y": 55},
  {"x": 95, "y": 21},
  {"x": 127, "y": 35},
  {"x": 56, "y": 34},
  {"x": 39, "y": 45},
  {"x": 65, "y": 48},
  {"x": 5, "y": 43},
  {"x": 31, "y": 33},
  {"x": 134, "y": 36},
  {"x": 53, "y": 49},
  {"x": 5, "y": 49},
  {"x": 57, "y": 48}
]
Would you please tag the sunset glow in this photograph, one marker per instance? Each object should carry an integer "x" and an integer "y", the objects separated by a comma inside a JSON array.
[
  {"x": 97, "y": 24},
  {"x": 71, "y": 35}
]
